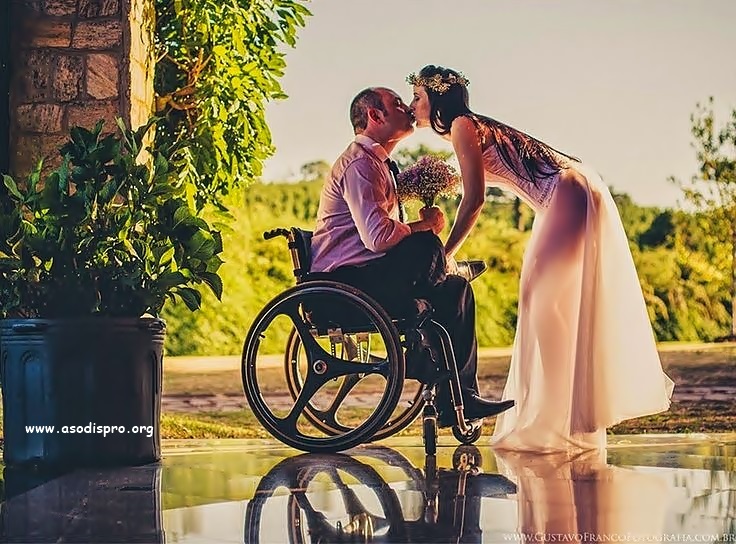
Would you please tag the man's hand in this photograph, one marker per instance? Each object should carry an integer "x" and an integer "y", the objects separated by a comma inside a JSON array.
[{"x": 434, "y": 218}]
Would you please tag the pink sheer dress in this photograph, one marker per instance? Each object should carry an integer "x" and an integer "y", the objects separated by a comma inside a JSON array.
[{"x": 584, "y": 355}]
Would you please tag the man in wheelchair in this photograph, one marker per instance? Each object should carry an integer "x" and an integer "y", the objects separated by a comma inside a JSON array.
[{"x": 360, "y": 239}]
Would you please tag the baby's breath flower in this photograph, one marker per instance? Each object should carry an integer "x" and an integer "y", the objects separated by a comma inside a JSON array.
[{"x": 430, "y": 177}]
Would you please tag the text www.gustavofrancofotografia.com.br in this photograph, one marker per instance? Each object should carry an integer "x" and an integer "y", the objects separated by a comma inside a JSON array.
[{"x": 90, "y": 428}]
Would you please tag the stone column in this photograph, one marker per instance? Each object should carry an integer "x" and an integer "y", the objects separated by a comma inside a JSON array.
[
  {"x": 4, "y": 85},
  {"x": 74, "y": 62}
]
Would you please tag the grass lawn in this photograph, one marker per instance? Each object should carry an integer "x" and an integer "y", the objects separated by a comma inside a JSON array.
[{"x": 707, "y": 366}]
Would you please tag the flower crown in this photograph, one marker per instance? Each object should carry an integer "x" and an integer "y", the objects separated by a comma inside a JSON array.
[{"x": 437, "y": 83}]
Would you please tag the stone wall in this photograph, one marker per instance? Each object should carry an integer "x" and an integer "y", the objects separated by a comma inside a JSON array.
[
  {"x": 75, "y": 62},
  {"x": 4, "y": 84}
]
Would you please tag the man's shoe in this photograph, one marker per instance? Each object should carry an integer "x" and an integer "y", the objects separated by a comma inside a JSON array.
[
  {"x": 471, "y": 269},
  {"x": 474, "y": 407}
]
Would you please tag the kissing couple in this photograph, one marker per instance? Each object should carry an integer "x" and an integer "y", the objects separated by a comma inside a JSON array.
[{"x": 584, "y": 356}]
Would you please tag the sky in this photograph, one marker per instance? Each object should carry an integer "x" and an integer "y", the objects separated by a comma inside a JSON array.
[{"x": 613, "y": 82}]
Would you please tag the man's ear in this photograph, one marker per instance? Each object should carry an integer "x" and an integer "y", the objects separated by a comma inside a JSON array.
[{"x": 375, "y": 115}]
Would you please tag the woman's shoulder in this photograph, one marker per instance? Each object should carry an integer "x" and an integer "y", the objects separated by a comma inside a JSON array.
[
  {"x": 466, "y": 120},
  {"x": 468, "y": 124}
]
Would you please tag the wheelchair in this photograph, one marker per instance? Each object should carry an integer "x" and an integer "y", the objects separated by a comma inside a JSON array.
[
  {"x": 335, "y": 497},
  {"x": 341, "y": 381}
]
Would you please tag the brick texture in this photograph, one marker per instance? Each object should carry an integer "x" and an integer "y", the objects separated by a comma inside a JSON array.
[
  {"x": 102, "y": 76},
  {"x": 78, "y": 61}
]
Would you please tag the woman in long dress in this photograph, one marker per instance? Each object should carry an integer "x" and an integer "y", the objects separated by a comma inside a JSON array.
[{"x": 584, "y": 355}]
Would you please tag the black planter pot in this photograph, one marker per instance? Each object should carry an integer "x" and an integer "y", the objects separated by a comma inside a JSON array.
[{"x": 83, "y": 377}]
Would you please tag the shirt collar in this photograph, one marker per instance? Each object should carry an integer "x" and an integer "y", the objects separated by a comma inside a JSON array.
[{"x": 373, "y": 146}]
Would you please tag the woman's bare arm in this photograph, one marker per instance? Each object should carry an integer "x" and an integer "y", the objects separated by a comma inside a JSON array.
[{"x": 466, "y": 142}]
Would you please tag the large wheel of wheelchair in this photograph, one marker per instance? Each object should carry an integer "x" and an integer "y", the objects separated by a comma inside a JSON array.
[
  {"x": 331, "y": 498},
  {"x": 406, "y": 411},
  {"x": 355, "y": 397}
]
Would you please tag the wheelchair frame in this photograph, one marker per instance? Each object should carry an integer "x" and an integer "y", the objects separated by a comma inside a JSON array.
[{"x": 298, "y": 303}]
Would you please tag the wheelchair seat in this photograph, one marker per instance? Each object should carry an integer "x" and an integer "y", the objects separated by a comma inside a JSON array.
[{"x": 300, "y": 246}]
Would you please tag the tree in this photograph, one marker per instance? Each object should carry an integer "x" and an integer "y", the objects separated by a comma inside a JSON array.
[
  {"x": 218, "y": 64},
  {"x": 315, "y": 170},
  {"x": 406, "y": 156},
  {"x": 713, "y": 190}
]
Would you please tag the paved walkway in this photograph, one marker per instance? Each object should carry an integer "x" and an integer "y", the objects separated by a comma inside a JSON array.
[
  {"x": 225, "y": 403},
  {"x": 196, "y": 364}
]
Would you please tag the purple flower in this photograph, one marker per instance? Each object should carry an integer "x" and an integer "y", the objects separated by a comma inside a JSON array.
[{"x": 430, "y": 177}]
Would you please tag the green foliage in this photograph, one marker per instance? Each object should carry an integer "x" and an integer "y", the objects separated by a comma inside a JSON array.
[
  {"x": 315, "y": 170},
  {"x": 407, "y": 156},
  {"x": 713, "y": 192},
  {"x": 219, "y": 62},
  {"x": 104, "y": 234},
  {"x": 255, "y": 270},
  {"x": 680, "y": 263},
  {"x": 684, "y": 285}
]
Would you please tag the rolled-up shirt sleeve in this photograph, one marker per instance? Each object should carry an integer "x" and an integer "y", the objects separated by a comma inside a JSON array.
[{"x": 365, "y": 189}]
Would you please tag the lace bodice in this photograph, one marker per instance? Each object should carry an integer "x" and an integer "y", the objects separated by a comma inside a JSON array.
[{"x": 537, "y": 195}]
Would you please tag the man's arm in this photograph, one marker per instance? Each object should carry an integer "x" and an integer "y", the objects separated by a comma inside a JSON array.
[
  {"x": 365, "y": 186},
  {"x": 364, "y": 189}
]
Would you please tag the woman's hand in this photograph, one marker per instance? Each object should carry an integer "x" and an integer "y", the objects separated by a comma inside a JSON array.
[{"x": 451, "y": 266}]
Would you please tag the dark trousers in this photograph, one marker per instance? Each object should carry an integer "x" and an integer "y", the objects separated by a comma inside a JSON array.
[{"x": 415, "y": 268}]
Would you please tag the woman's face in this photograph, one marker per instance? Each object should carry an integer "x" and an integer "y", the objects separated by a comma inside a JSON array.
[{"x": 420, "y": 107}]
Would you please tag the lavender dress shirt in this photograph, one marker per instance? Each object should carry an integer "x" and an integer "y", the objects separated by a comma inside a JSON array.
[{"x": 358, "y": 215}]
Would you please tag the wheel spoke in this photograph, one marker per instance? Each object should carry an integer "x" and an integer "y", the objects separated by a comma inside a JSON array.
[
  {"x": 339, "y": 367},
  {"x": 311, "y": 346},
  {"x": 329, "y": 415},
  {"x": 310, "y": 387}
]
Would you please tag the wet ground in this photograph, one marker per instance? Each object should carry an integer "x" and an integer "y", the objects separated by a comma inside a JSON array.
[{"x": 645, "y": 488}]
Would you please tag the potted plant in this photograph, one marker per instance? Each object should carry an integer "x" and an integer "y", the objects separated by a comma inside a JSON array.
[{"x": 88, "y": 256}]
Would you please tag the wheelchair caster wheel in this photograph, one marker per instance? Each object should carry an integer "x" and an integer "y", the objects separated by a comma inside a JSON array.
[
  {"x": 466, "y": 456},
  {"x": 472, "y": 436}
]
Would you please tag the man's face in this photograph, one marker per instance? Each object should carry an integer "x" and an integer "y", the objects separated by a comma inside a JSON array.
[{"x": 398, "y": 117}]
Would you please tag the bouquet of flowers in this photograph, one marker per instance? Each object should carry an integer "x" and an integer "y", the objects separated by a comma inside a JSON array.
[{"x": 430, "y": 177}]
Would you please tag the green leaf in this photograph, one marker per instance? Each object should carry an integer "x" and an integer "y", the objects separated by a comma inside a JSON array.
[
  {"x": 166, "y": 257},
  {"x": 168, "y": 280},
  {"x": 191, "y": 297},
  {"x": 12, "y": 187},
  {"x": 183, "y": 217},
  {"x": 214, "y": 282},
  {"x": 201, "y": 246}
]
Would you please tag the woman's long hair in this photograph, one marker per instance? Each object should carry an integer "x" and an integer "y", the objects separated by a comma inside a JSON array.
[{"x": 538, "y": 160}]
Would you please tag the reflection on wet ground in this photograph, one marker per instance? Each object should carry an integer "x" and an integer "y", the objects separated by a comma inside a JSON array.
[{"x": 676, "y": 488}]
